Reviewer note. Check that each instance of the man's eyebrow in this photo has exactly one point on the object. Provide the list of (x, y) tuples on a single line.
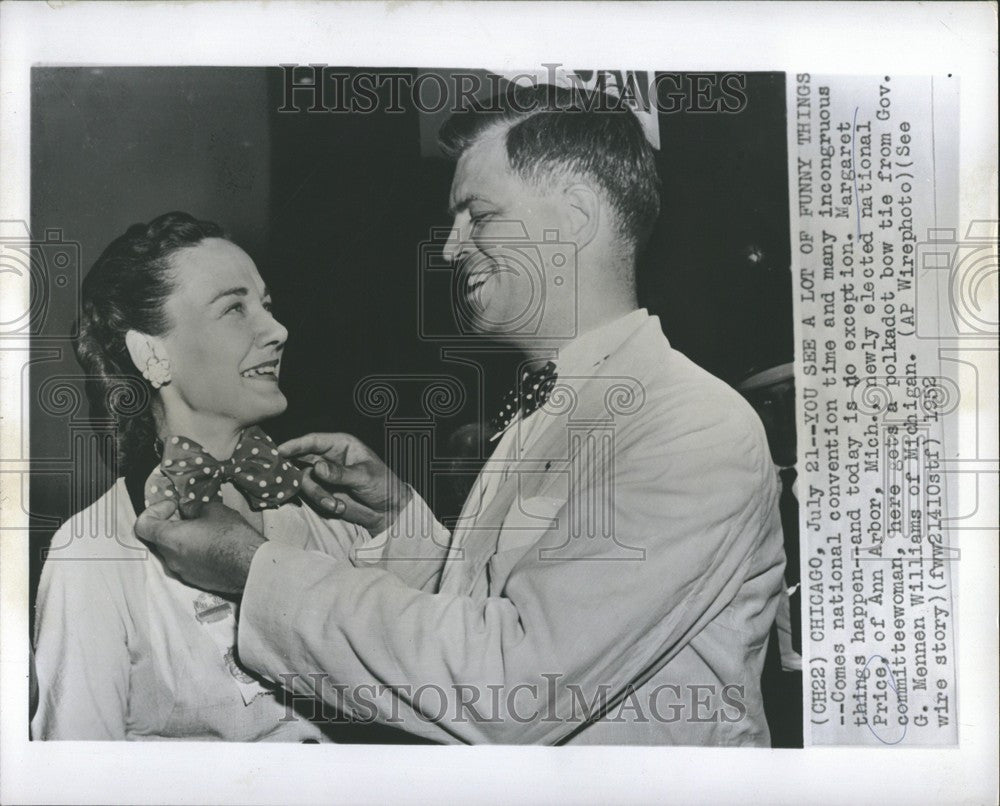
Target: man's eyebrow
[(459, 206)]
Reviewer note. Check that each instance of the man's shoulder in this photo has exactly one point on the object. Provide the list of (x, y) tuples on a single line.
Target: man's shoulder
[(672, 384), (688, 417), (701, 394)]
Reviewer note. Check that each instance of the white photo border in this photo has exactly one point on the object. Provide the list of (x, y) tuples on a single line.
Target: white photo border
[(821, 38)]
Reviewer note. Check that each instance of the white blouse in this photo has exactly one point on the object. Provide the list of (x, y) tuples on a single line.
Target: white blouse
[(125, 650)]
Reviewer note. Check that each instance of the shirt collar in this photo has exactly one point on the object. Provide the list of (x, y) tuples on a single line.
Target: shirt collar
[(589, 350), (584, 354)]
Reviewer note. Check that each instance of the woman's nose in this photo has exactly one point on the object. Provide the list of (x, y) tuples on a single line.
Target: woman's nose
[(273, 332)]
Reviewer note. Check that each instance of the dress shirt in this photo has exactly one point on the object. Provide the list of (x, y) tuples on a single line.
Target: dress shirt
[(122, 654)]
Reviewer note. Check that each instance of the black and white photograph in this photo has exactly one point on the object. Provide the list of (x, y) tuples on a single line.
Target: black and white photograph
[(604, 401), (480, 296)]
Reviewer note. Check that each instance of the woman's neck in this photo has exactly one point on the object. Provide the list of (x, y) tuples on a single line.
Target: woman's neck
[(218, 436)]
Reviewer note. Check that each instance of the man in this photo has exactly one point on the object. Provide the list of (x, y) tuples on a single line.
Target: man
[(615, 571)]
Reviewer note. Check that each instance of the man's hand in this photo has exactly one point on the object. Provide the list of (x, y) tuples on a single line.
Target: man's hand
[(212, 552), (348, 480)]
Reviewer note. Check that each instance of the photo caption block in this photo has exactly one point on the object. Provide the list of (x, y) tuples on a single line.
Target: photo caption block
[(873, 174)]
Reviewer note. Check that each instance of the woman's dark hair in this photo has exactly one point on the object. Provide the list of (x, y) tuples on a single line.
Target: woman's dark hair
[(125, 290)]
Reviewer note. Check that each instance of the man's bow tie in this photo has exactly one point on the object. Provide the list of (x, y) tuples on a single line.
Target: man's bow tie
[(531, 392), (191, 476)]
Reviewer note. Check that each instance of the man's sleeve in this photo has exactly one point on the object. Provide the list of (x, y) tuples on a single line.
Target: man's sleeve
[(456, 669), (413, 548)]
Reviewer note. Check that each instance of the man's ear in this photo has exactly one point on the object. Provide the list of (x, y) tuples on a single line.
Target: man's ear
[(584, 212), (140, 349)]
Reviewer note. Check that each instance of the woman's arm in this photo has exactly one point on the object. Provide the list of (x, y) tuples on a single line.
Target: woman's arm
[(81, 650)]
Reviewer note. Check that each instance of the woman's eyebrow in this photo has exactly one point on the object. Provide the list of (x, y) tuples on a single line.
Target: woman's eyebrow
[(238, 291)]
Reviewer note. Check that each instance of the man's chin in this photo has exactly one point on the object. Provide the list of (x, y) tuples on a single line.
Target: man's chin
[(481, 325), (497, 332)]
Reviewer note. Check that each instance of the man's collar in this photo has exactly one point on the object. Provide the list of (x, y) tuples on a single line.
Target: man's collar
[(589, 350)]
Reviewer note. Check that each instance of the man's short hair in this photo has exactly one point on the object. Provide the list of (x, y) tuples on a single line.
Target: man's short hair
[(558, 129)]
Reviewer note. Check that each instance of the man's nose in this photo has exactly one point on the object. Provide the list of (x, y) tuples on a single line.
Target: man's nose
[(455, 245)]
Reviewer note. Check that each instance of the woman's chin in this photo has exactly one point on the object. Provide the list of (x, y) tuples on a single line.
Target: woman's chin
[(280, 405), (274, 405)]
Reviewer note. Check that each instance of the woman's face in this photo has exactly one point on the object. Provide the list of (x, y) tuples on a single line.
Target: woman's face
[(224, 345)]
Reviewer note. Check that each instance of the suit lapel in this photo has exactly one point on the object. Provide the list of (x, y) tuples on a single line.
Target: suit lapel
[(541, 466)]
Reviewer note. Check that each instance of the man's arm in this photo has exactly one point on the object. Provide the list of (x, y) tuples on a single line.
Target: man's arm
[(345, 480), (583, 615), (212, 552), (348, 481), (413, 547)]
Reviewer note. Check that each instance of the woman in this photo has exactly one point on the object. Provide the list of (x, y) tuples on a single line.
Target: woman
[(124, 649)]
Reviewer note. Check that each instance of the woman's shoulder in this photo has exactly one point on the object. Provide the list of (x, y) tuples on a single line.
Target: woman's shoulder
[(102, 531)]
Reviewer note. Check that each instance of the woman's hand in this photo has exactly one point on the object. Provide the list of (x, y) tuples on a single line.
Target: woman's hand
[(348, 480)]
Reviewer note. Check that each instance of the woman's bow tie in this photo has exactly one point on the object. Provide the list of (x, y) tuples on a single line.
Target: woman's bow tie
[(191, 476)]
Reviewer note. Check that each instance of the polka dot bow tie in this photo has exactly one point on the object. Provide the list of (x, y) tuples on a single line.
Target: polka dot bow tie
[(530, 394), (192, 476)]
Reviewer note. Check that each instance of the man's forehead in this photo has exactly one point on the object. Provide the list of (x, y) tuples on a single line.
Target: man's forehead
[(481, 169)]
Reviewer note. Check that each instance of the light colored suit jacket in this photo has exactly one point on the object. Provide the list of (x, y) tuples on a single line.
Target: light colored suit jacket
[(618, 586)]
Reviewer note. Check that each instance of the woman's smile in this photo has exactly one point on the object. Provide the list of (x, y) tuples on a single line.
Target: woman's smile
[(225, 345), (265, 371)]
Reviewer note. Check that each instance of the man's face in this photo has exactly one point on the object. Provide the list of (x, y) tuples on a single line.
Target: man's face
[(504, 280)]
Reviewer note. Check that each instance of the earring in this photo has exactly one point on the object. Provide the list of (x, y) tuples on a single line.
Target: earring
[(157, 371)]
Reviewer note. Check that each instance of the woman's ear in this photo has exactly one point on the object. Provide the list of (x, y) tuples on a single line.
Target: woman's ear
[(584, 213), (149, 357), (139, 348)]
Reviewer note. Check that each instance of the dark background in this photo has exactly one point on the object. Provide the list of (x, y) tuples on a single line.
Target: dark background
[(337, 209)]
